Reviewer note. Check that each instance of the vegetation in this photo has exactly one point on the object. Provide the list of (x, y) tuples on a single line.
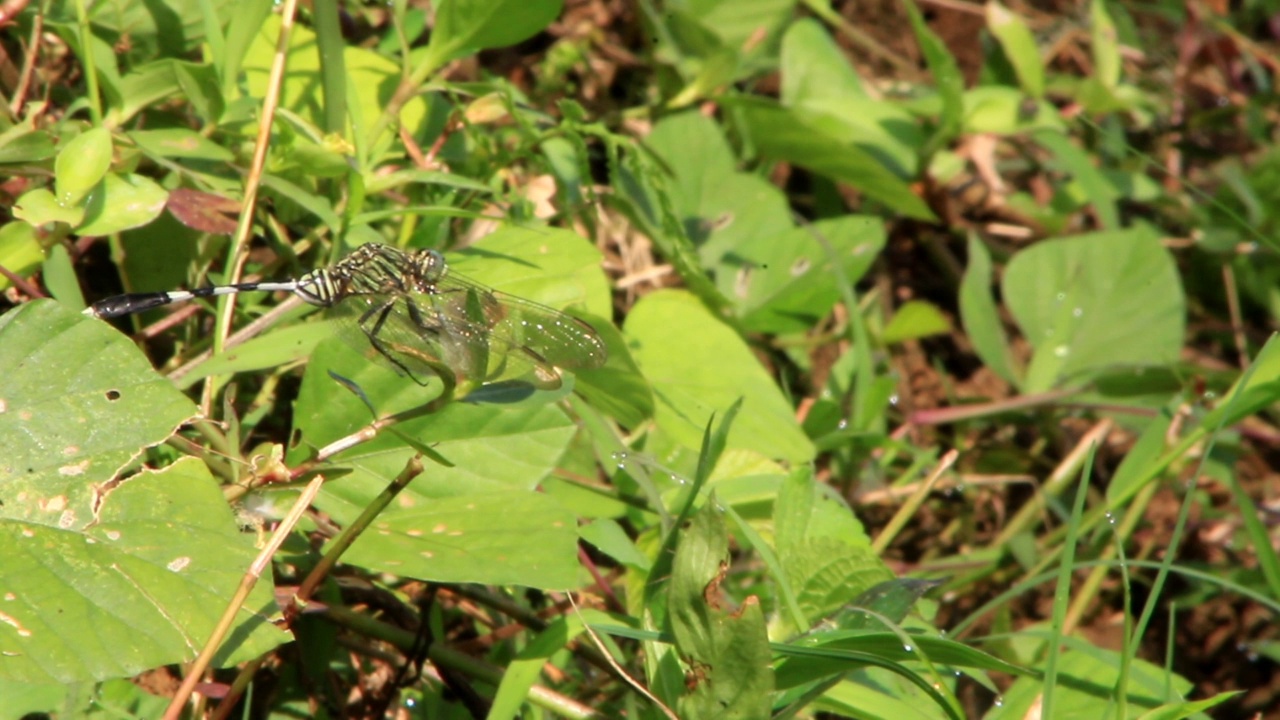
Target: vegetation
[(940, 381)]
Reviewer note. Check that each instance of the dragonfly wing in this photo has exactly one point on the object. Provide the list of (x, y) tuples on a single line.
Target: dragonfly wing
[(385, 326), (470, 317), (514, 323)]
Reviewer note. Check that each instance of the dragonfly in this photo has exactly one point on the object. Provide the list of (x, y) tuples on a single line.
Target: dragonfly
[(421, 318)]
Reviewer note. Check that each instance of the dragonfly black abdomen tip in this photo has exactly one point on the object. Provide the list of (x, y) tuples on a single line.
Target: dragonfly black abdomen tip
[(120, 305)]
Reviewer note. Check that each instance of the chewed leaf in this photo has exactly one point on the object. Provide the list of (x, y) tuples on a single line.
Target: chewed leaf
[(77, 401)]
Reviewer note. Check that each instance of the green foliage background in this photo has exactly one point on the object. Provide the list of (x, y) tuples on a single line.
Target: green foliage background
[(763, 215)]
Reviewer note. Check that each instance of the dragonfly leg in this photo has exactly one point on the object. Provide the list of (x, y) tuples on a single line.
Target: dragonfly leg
[(378, 314)]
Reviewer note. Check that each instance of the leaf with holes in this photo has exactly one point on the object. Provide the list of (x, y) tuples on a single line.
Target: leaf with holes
[(130, 578), (78, 401)]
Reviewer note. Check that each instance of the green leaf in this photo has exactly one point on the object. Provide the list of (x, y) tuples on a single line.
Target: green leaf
[(789, 283), (830, 653), (60, 277), (131, 577), (513, 537), (81, 164), (120, 203), (1095, 301), (1019, 46), (1140, 463), (781, 134), (22, 145), (20, 250), (198, 83), (82, 398), (946, 74), (824, 550), (39, 208), (1105, 46), (279, 347), (617, 389), (914, 320), (1256, 389), (180, 143), (144, 87), (552, 266), (1003, 110), (698, 366), (727, 651), (525, 670), (464, 27), (307, 200), (609, 538), (980, 316), (1180, 710), (820, 86), (1087, 677), (371, 78), (1080, 164), (739, 23)]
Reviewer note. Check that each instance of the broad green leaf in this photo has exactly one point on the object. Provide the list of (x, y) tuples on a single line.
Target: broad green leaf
[(1003, 110), (60, 277), (17, 698), (608, 537), (1093, 302), (20, 251), (242, 27), (1019, 46), (464, 27), (720, 207), (819, 85), (739, 24), (371, 78), (120, 203), (20, 144), (180, 143), (789, 283), (125, 578), (39, 207), (198, 83), (980, 316), (77, 402), (81, 164), (492, 446), (512, 537), (779, 278), (825, 551), (273, 349), (727, 650), (551, 266), (699, 367), (144, 87), (313, 203), (617, 389), (914, 320), (781, 134), (891, 600), (525, 670)]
